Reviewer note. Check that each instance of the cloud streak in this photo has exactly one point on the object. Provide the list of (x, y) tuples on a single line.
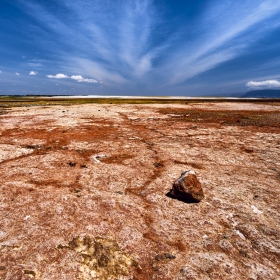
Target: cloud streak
[(231, 33), (133, 43), (115, 42), (264, 84)]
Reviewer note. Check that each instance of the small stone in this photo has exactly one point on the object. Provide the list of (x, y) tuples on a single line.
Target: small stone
[(29, 272), (159, 257), (248, 150), (31, 147), (187, 188), (169, 256), (244, 254), (164, 256), (71, 164), (193, 127)]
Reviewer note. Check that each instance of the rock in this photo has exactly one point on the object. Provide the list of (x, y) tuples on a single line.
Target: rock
[(162, 257), (169, 256), (31, 273), (159, 257), (187, 188), (158, 164)]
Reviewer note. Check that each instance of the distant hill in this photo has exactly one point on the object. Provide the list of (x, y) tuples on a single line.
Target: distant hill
[(263, 93)]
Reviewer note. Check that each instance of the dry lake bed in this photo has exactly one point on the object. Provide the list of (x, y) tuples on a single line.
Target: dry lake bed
[(83, 191)]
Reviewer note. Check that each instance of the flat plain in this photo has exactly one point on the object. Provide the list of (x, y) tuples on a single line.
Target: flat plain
[(84, 186)]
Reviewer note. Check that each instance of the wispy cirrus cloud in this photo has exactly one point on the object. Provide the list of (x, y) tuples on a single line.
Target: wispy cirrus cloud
[(34, 62), (132, 42), (17, 74), (115, 41), (264, 84), (227, 29)]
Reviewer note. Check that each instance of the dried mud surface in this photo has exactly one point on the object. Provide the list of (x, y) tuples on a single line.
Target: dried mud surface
[(83, 192)]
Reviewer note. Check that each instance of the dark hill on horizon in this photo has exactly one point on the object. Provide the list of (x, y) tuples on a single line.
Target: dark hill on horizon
[(263, 93)]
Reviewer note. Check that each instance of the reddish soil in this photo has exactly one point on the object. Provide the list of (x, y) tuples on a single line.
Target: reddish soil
[(83, 192)]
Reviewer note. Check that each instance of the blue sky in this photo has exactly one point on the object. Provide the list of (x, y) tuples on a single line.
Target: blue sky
[(139, 47)]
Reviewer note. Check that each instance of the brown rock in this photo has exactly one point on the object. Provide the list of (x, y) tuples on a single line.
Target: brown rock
[(187, 188)]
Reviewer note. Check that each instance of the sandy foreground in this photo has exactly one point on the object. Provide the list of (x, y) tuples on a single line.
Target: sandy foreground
[(83, 192)]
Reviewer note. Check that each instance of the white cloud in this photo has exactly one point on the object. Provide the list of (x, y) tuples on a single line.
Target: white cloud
[(88, 81), (33, 73), (118, 45), (123, 39), (17, 73), (264, 84), (80, 79), (77, 77), (58, 76)]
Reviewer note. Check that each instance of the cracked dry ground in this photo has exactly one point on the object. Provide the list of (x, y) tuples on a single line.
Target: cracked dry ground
[(83, 192)]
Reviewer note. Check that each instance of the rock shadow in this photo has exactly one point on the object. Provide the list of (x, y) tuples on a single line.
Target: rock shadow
[(186, 199)]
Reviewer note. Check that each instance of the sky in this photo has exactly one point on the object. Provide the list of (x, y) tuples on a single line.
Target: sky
[(139, 47)]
